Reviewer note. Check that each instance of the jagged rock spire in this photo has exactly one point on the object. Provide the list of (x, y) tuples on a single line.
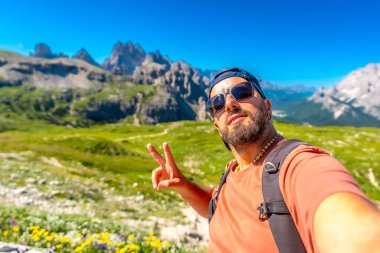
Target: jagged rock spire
[(82, 54)]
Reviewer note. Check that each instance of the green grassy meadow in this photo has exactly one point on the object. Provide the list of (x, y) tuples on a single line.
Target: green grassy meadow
[(104, 170)]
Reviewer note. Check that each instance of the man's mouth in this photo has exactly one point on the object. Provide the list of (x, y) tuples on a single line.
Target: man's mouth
[(235, 119)]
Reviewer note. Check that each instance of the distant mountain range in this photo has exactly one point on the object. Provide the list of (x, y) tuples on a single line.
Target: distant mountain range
[(354, 101), (138, 87), (76, 91)]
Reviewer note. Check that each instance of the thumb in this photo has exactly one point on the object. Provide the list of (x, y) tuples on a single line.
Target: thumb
[(167, 183)]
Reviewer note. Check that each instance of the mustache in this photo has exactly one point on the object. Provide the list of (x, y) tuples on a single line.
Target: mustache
[(237, 111)]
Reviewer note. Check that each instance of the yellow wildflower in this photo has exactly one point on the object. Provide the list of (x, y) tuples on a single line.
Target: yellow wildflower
[(16, 229), (49, 238), (34, 227), (79, 249), (78, 235), (156, 244), (165, 244), (133, 247), (117, 244), (41, 232), (65, 239), (6, 232), (35, 238), (88, 241), (131, 237), (58, 246), (106, 235)]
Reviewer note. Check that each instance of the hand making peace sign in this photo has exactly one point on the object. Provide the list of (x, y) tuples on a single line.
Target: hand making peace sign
[(167, 175)]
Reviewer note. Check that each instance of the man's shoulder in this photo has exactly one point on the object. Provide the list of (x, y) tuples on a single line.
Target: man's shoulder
[(306, 150), (290, 150), (311, 158)]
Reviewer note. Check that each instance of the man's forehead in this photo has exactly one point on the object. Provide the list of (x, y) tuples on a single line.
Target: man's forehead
[(226, 84)]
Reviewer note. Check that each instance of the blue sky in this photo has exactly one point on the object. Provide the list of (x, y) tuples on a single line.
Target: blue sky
[(286, 42)]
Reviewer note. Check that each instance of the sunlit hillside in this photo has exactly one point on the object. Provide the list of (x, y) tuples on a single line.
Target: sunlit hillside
[(90, 180)]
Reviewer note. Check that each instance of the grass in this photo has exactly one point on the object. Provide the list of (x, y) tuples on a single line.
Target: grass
[(119, 149), (105, 169), (77, 107), (6, 52)]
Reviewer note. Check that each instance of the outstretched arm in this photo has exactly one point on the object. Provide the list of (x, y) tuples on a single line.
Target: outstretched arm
[(345, 222), (167, 175)]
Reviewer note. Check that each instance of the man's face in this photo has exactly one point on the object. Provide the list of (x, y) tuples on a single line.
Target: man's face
[(240, 122)]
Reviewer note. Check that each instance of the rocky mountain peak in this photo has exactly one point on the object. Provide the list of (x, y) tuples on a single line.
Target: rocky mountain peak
[(82, 54), (181, 66), (42, 50), (131, 47), (58, 73), (359, 89), (179, 77), (156, 57), (124, 58)]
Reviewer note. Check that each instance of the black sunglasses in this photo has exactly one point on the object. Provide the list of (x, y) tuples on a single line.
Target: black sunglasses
[(239, 92)]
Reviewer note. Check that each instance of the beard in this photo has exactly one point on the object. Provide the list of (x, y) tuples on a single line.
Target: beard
[(246, 133)]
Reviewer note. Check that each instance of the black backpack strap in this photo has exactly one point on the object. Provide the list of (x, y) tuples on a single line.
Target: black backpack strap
[(274, 208), (212, 204)]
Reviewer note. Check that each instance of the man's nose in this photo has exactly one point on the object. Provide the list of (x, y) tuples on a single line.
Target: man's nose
[(231, 103)]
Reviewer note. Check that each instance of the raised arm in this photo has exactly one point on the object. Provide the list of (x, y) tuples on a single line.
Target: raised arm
[(345, 222), (167, 175)]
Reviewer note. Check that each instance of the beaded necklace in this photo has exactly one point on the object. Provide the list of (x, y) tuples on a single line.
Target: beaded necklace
[(258, 157)]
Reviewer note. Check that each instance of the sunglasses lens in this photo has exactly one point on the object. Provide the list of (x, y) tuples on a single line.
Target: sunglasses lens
[(215, 104), (242, 91), (239, 92)]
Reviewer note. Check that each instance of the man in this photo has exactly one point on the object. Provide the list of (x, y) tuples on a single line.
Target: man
[(330, 212)]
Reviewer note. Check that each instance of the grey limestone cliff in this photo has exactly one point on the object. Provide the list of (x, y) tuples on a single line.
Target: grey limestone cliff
[(83, 55), (124, 58)]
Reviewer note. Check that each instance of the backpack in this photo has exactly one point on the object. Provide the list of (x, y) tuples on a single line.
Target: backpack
[(274, 207)]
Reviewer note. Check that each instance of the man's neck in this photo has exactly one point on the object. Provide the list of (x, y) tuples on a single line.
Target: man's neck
[(246, 153)]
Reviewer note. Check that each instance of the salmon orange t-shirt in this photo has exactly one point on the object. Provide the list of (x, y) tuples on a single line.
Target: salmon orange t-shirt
[(307, 177)]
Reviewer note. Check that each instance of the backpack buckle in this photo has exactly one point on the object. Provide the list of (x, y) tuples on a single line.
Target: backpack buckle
[(270, 167), (264, 210)]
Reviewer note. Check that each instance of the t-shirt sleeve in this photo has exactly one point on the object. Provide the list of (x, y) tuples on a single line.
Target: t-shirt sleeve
[(308, 176)]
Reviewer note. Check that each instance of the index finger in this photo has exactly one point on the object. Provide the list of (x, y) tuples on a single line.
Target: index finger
[(159, 159)]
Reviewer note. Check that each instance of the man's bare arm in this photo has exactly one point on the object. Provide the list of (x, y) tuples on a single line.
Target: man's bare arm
[(167, 175), (345, 222), (197, 197)]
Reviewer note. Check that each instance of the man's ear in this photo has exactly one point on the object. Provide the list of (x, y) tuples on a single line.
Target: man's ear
[(268, 104), (216, 126), (268, 107)]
